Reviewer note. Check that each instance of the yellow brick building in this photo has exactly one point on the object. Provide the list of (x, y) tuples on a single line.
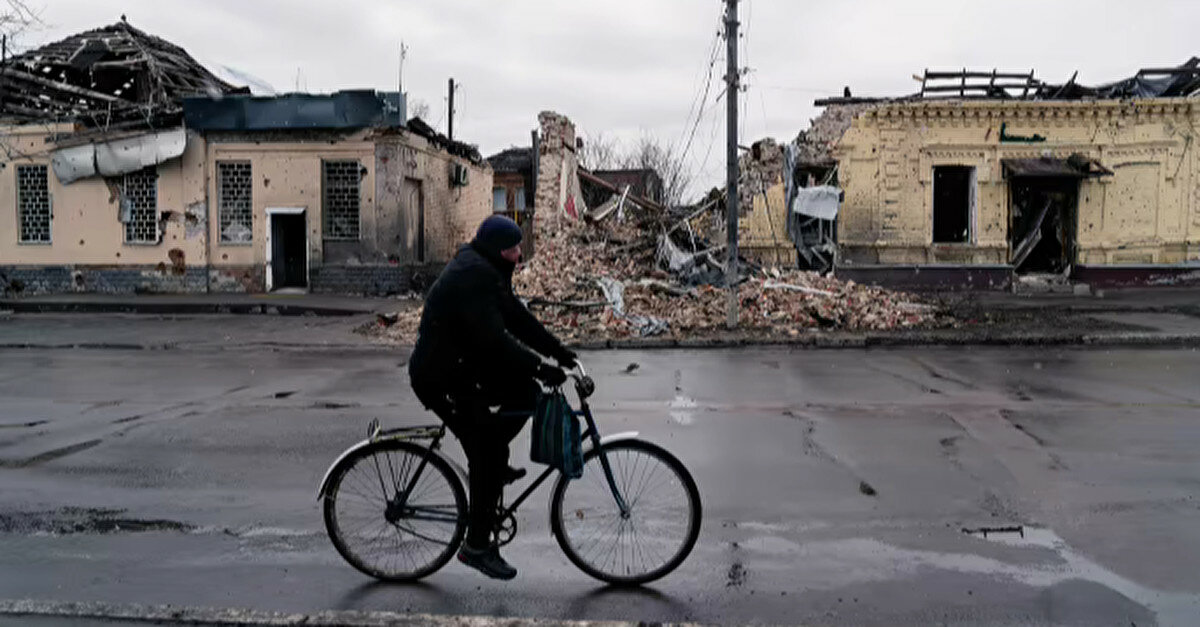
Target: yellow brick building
[(1111, 187)]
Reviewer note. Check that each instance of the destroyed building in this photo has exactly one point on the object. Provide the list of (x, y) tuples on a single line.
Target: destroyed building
[(513, 189), (788, 197), (134, 169), (643, 182), (629, 267), (986, 180)]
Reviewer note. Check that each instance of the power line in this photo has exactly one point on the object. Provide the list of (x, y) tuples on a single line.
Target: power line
[(698, 100), (701, 104)]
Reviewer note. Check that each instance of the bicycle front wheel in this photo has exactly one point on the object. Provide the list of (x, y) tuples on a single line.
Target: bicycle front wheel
[(657, 535), (396, 511)]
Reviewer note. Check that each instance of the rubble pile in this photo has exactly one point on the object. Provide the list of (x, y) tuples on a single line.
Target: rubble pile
[(605, 281)]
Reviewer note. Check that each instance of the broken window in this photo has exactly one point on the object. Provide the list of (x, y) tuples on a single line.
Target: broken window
[(499, 199), (340, 199), (235, 210), (139, 206), (953, 195), (33, 204)]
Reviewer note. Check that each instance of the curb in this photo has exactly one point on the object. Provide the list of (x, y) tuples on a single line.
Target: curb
[(886, 341), (167, 346), (182, 615), (812, 343), (273, 309)]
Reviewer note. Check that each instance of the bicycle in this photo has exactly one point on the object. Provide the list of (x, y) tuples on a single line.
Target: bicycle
[(397, 510)]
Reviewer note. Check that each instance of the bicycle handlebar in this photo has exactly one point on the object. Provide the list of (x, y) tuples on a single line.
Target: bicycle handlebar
[(584, 384)]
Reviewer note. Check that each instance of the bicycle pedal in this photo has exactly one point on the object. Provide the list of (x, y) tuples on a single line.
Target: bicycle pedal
[(512, 475)]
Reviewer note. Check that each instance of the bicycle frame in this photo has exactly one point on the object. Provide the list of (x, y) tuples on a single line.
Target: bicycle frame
[(583, 386), (592, 433)]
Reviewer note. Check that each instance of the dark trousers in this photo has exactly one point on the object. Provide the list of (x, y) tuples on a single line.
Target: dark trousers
[(465, 408)]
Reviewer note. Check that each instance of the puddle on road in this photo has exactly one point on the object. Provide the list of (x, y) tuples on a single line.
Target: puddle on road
[(868, 558), (1172, 608)]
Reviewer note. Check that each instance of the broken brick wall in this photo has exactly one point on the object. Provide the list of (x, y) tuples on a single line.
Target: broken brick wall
[(558, 192), (815, 145), (759, 169)]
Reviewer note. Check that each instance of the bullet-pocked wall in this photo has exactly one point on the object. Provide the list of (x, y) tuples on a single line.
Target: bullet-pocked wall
[(1146, 212), (75, 237), (356, 205), (286, 173), (430, 202)]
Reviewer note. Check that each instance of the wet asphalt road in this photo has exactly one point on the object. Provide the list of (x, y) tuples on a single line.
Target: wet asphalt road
[(836, 484)]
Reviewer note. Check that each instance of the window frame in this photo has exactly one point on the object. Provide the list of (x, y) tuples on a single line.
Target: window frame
[(221, 202), (326, 215), (126, 226), (21, 240)]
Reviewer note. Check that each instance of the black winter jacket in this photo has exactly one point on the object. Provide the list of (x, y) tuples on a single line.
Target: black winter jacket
[(473, 325)]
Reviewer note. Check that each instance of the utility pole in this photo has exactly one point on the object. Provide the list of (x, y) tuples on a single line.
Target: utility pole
[(450, 112), (400, 77), (731, 156)]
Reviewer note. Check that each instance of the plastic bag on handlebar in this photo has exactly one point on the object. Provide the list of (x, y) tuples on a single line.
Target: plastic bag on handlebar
[(556, 437)]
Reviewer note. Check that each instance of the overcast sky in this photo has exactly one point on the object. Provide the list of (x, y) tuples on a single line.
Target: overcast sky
[(628, 67)]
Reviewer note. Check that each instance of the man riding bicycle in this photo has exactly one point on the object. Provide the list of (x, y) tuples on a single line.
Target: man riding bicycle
[(473, 353)]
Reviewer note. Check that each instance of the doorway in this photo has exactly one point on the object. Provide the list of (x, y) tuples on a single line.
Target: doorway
[(414, 195), (287, 249), (1043, 216)]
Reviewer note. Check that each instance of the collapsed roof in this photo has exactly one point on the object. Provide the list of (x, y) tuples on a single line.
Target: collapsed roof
[(470, 152), (107, 77), (515, 159), (1177, 82)]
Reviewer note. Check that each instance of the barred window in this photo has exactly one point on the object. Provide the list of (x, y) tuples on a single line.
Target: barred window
[(33, 204), (234, 206), (139, 206), (340, 199)]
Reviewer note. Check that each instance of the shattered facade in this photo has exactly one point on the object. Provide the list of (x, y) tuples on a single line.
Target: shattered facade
[(900, 161), (983, 187), (335, 193), (558, 188)]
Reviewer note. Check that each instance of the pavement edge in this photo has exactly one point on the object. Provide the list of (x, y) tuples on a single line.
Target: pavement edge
[(184, 615)]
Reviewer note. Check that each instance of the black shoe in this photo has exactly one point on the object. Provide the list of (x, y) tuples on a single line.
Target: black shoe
[(513, 474), (487, 561)]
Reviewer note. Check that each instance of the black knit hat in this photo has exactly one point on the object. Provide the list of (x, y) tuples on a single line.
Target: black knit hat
[(497, 233)]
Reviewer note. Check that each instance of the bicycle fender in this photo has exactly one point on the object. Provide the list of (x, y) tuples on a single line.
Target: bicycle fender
[(587, 447), (624, 435), (462, 474)]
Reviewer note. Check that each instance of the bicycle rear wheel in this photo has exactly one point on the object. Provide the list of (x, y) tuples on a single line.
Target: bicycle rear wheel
[(663, 522), (396, 511)]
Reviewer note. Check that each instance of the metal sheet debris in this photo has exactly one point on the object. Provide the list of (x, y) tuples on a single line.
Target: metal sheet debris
[(119, 156), (819, 202)]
